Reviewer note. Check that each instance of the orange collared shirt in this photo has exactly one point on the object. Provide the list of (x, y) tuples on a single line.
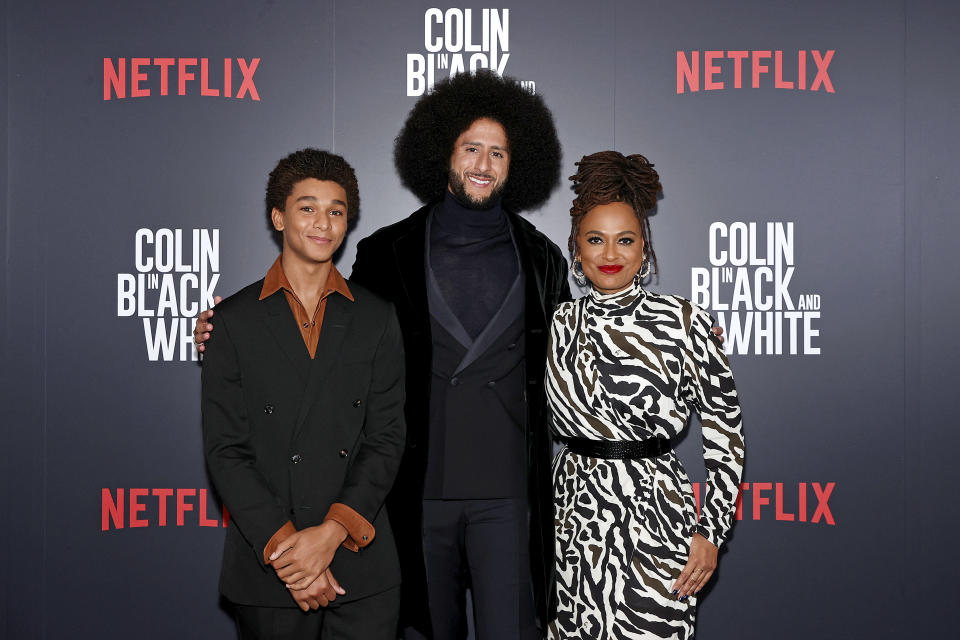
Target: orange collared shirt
[(309, 325)]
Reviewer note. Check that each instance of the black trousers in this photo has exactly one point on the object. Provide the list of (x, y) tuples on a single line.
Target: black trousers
[(372, 618), (483, 545)]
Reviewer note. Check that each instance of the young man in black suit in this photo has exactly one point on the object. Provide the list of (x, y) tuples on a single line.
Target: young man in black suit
[(303, 425)]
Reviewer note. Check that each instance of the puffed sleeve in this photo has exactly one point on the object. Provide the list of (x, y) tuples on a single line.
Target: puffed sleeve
[(710, 389)]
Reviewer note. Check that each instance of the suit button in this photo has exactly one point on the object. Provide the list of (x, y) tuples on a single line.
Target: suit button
[(491, 384), (454, 381), (343, 453), (268, 409), (296, 458), (412, 445), (356, 402), (512, 346)]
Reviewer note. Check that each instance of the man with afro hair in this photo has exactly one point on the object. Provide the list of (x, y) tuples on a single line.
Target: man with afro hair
[(475, 286)]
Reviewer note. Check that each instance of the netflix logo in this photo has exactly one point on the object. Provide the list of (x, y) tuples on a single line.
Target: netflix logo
[(137, 508), (802, 502), (145, 77), (715, 70)]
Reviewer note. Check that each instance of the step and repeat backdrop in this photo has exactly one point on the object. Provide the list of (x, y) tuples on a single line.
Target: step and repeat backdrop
[(808, 153)]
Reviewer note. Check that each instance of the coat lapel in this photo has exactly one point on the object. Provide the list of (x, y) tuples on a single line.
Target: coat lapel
[(533, 261), (279, 321), (497, 325), (437, 304), (336, 321), (410, 250)]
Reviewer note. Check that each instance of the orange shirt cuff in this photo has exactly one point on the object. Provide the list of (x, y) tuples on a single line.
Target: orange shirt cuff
[(360, 532), (282, 534)]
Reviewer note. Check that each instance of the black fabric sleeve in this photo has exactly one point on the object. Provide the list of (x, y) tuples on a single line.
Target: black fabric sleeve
[(248, 497)]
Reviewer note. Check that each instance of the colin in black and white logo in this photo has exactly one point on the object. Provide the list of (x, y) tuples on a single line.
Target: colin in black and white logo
[(177, 271), (747, 287), (458, 40)]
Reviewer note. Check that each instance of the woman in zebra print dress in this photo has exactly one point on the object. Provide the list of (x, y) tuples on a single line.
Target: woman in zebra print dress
[(628, 366)]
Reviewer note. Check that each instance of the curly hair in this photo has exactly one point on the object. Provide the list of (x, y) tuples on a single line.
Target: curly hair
[(423, 147), (609, 176), (311, 163)]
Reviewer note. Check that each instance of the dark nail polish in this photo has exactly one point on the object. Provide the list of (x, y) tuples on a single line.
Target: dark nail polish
[(675, 592), (684, 598)]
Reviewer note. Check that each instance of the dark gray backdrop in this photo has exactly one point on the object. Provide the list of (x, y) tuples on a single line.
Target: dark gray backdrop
[(867, 175)]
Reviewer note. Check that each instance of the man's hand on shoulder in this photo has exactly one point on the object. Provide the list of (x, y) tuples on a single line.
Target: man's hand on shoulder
[(203, 326)]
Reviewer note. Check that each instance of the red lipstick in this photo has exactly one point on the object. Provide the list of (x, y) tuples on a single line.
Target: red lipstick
[(610, 268)]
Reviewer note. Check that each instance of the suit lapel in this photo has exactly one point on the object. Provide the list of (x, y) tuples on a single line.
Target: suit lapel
[(533, 261), (437, 304), (410, 250), (280, 322), (336, 320), (497, 325)]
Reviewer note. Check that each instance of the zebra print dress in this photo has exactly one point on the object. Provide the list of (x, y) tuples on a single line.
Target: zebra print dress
[(629, 366)]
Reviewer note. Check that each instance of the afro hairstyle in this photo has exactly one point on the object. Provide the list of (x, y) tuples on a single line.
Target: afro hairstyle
[(423, 148), (311, 163)]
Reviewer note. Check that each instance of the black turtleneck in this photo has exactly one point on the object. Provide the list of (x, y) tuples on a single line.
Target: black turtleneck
[(473, 260)]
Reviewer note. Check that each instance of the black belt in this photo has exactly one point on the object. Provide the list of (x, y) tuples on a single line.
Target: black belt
[(618, 449)]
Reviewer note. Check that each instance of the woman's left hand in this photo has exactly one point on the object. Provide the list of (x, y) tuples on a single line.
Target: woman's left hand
[(700, 566)]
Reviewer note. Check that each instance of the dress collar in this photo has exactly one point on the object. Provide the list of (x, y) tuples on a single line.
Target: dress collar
[(617, 299)]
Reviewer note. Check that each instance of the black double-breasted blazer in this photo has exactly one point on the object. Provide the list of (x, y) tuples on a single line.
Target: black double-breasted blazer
[(392, 262), (286, 436)]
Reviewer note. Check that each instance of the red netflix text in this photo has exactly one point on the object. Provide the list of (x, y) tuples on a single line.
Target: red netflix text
[(803, 502), (726, 69), (143, 77), (134, 508)]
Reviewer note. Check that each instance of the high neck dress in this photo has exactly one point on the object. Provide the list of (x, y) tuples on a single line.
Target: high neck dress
[(630, 366)]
